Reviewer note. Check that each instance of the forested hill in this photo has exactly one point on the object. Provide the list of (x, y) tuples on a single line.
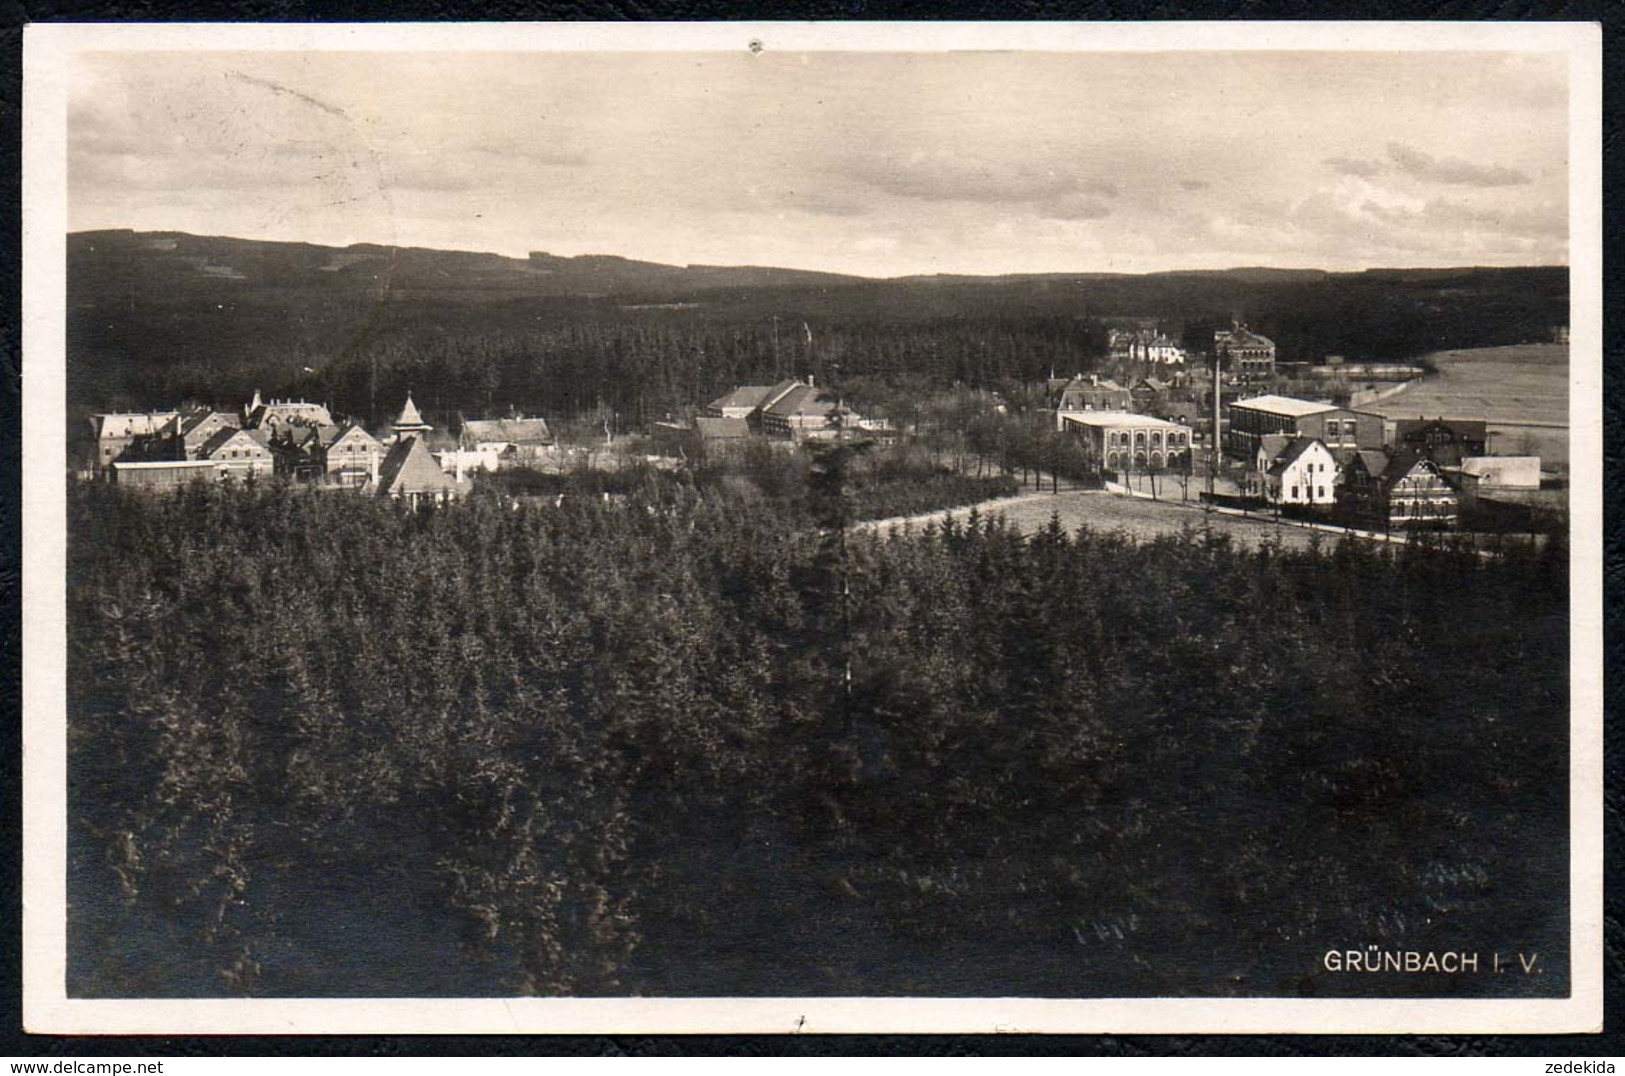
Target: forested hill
[(165, 317)]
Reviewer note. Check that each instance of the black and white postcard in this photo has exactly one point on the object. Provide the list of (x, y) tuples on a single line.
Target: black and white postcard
[(813, 527)]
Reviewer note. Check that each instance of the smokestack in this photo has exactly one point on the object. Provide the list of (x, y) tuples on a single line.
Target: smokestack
[(372, 468), (459, 453)]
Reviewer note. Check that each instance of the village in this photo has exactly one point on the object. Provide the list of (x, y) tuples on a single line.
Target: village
[(1330, 452)]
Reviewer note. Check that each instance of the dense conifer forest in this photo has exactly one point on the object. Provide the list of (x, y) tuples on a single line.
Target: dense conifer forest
[(156, 320), (686, 742)]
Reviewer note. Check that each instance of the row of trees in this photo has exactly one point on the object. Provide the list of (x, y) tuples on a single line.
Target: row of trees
[(655, 744)]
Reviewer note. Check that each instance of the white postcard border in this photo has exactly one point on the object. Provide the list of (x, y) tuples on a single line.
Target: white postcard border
[(47, 51)]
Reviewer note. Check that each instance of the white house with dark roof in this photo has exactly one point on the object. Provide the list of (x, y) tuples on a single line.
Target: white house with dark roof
[(1297, 470)]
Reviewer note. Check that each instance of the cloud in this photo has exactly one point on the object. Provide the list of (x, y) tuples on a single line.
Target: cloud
[(1074, 206), (943, 177), (824, 203), (1354, 166), (1452, 170)]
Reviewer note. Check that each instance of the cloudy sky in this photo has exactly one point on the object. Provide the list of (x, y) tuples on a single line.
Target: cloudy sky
[(877, 163)]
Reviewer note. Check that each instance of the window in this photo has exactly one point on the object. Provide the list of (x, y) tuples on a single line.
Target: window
[(1294, 492), (1320, 491)]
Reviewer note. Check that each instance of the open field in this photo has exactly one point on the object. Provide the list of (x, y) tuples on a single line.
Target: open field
[(1111, 512), (1522, 391)]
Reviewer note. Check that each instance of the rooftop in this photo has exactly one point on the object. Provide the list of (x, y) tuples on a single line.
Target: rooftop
[(1118, 419), (1284, 405)]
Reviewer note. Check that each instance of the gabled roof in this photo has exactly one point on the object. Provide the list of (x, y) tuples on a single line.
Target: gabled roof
[(224, 437), (1284, 405), (1404, 462), (1294, 451), (1374, 461), (1272, 445), (410, 468), (198, 418), (802, 400), (518, 431), (1118, 419), (743, 396), (332, 435)]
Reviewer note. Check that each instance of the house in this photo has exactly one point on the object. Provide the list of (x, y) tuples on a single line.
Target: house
[(409, 423), (1121, 440), (1297, 471), (240, 453), (1163, 351), (349, 455), (1091, 393), (1247, 355), (115, 433), (411, 474), (1341, 429), (1446, 443), (197, 428), (1145, 345), (805, 413), (513, 441), (1409, 492)]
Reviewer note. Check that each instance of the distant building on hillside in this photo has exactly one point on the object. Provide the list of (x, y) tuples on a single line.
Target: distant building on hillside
[(1444, 441), (1247, 355), (1122, 441), (1143, 345), (750, 403), (806, 413), (513, 441)]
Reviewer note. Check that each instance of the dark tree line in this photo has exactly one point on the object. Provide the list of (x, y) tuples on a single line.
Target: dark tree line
[(685, 743), (146, 335)]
